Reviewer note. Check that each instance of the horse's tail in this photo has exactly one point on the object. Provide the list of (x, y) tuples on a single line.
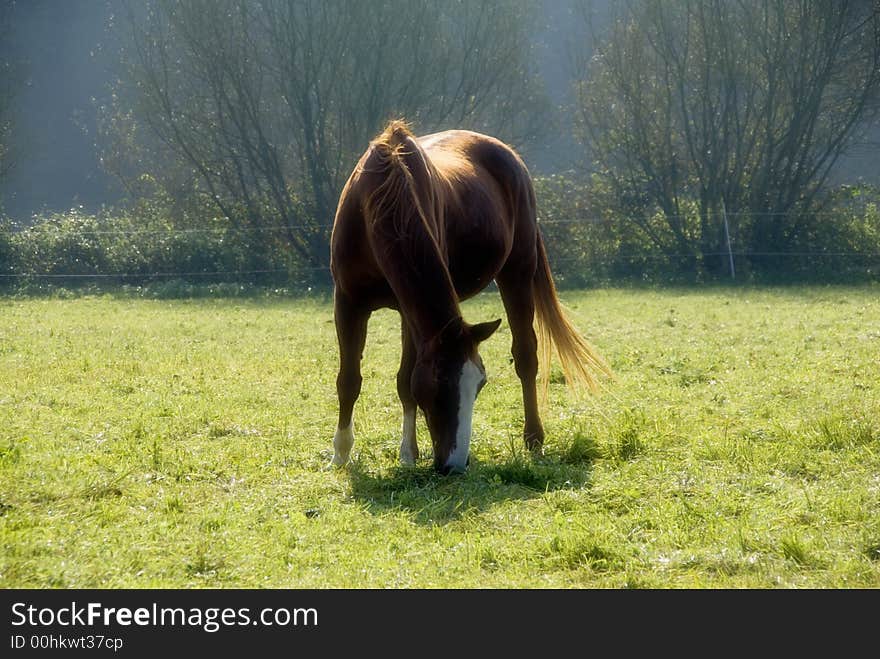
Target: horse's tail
[(403, 196), (580, 361)]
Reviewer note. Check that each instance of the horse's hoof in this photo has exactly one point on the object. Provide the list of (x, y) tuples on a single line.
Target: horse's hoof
[(336, 463), (535, 444), (407, 459)]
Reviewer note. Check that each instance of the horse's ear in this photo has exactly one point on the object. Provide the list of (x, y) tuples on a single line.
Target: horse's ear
[(483, 331)]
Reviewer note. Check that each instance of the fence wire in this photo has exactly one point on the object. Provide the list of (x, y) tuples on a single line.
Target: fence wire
[(585, 257), (326, 227)]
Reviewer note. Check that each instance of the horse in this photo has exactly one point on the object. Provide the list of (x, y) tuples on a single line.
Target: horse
[(421, 224)]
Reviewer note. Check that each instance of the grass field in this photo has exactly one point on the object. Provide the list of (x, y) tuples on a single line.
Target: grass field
[(149, 443)]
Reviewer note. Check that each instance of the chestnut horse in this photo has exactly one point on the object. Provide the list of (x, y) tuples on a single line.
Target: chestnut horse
[(421, 224)]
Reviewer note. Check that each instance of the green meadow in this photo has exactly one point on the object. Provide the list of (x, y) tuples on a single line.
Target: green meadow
[(183, 444)]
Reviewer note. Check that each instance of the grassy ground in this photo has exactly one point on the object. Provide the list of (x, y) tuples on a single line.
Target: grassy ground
[(182, 444)]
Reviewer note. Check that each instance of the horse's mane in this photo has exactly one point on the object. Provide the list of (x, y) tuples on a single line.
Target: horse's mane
[(407, 193)]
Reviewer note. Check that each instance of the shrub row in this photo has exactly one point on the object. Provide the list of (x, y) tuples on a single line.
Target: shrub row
[(589, 243), (142, 246)]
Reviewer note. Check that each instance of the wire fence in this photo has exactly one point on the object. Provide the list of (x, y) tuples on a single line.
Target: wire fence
[(563, 255), (147, 275), (287, 228)]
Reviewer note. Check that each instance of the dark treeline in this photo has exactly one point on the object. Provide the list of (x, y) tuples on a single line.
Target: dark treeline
[(705, 134)]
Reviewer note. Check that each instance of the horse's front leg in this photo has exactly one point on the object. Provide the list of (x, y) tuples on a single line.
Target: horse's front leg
[(409, 448), (519, 303), (351, 333)]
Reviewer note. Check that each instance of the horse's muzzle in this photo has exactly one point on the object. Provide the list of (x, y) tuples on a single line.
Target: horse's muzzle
[(452, 468)]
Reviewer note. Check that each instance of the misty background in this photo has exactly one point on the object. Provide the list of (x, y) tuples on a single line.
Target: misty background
[(65, 66), (64, 62), (67, 54)]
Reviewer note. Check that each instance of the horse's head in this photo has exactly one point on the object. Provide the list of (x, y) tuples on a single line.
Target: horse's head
[(446, 379)]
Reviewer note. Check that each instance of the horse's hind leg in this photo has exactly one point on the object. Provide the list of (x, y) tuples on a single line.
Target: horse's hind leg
[(351, 333), (516, 293), (409, 448)]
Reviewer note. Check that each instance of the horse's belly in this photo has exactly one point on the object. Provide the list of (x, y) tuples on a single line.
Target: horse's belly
[(474, 264)]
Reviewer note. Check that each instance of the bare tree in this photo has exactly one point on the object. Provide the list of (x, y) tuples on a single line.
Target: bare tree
[(693, 106), (267, 104)]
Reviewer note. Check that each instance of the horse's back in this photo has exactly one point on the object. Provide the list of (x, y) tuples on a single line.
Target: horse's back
[(488, 205), (461, 153), (490, 210)]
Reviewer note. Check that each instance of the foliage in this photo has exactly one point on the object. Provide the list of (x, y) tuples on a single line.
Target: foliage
[(844, 238), (182, 444), (586, 241), (144, 244), (263, 108), (594, 238), (694, 110), (8, 252), (173, 249)]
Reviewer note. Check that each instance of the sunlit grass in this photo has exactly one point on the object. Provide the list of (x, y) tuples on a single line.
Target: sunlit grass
[(183, 444)]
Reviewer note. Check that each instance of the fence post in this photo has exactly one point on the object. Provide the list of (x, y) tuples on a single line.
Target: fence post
[(727, 238)]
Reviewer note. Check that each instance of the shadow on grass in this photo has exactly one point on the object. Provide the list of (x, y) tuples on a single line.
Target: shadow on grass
[(432, 499)]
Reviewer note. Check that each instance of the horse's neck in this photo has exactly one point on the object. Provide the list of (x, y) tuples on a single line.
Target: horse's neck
[(428, 313), (408, 237), (418, 275)]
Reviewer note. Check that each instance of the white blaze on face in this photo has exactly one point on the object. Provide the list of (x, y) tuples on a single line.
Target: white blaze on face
[(468, 385)]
